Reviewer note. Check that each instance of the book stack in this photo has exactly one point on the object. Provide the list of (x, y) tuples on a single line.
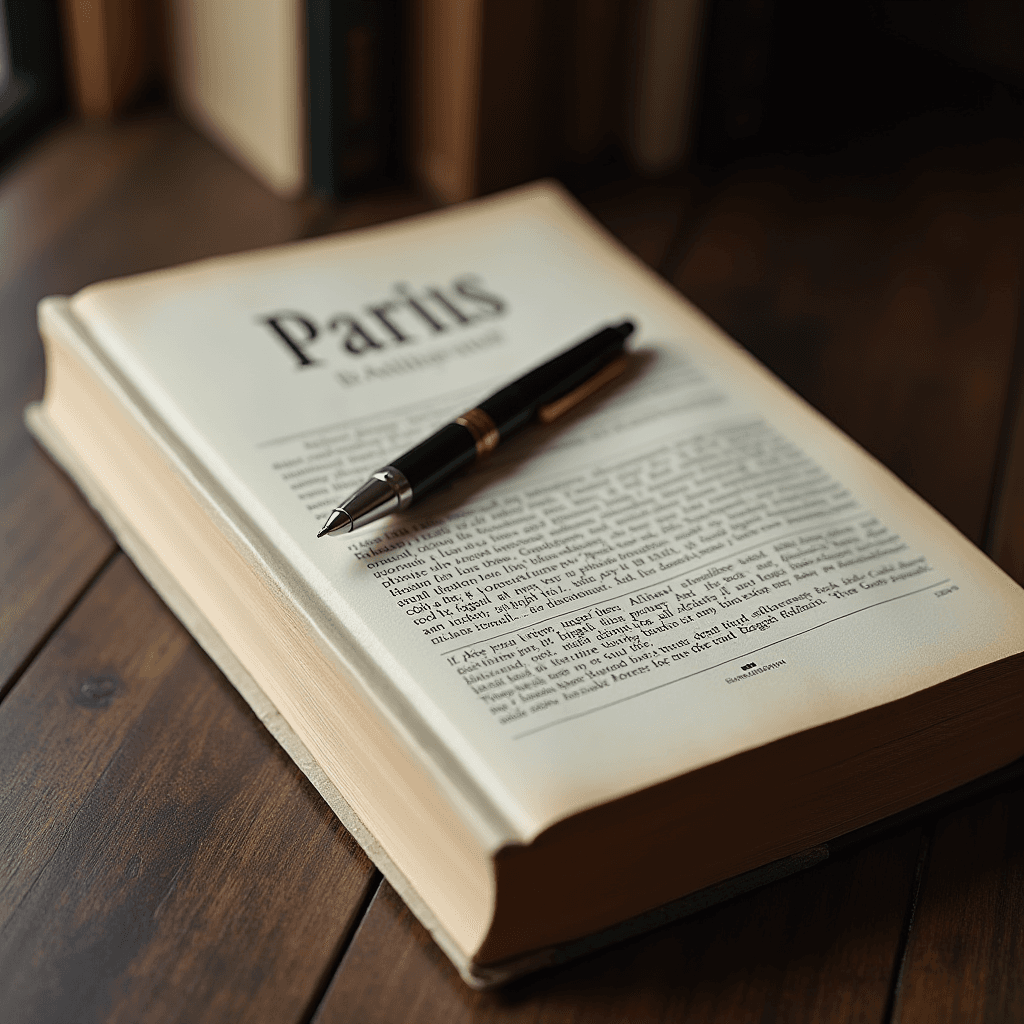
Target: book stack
[(324, 97)]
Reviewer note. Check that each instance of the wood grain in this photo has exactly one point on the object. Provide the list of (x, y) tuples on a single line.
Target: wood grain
[(965, 949), (111, 200), (811, 948), (53, 547), (1007, 528), (644, 215), (887, 299), (61, 176), (965, 956), (160, 856), (48, 190)]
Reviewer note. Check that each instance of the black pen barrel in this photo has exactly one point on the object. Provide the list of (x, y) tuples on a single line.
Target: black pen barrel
[(457, 445), (434, 460), (515, 405)]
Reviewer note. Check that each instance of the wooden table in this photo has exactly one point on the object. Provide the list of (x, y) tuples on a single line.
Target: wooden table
[(160, 857)]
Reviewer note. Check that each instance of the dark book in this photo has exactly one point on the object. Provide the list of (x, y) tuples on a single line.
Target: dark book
[(31, 77), (353, 61)]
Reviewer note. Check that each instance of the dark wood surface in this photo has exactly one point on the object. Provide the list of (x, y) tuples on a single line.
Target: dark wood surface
[(160, 857)]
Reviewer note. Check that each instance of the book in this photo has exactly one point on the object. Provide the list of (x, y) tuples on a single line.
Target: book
[(352, 71), (110, 51), (32, 86), (595, 60), (740, 44), (485, 90), (238, 71), (301, 94), (647, 657), (666, 58)]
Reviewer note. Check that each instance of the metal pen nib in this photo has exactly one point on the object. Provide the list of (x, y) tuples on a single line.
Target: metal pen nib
[(337, 520), (385, 492)]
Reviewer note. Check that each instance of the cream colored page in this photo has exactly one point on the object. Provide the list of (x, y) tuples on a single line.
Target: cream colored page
[(692, 565)]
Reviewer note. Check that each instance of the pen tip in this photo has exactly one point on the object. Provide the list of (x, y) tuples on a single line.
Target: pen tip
[(626, 328), (337, 520)]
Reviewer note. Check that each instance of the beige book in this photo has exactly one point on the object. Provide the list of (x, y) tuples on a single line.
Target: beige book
[(648, 656), (237, 68)]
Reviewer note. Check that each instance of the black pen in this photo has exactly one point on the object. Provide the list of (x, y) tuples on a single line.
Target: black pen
[(544, 393)]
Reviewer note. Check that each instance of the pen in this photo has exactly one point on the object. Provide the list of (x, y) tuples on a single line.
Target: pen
[(545, 393)]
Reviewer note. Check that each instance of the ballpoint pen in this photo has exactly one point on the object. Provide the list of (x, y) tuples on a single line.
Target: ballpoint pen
[(544, 394)]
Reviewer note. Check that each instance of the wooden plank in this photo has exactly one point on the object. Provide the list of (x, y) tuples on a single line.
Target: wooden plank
[(645, 216), (112, 200), (965, 949), (965, 955), (59, 177), (48, 189), (53, 546), (889, 301), (896, 316), (1007, 539), (819, 946), (160, 856)]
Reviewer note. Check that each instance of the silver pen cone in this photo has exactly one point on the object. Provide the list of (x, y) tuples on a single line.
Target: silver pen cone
[(385, 492), (338, 520)]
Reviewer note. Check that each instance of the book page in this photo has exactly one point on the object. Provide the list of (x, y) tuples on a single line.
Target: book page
[(692, 564)]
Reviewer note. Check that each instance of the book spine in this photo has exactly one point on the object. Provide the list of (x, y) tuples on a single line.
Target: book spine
[(446, 38), (660, 124), (352, 65), (109, 52), (735, 88), (594, 77)]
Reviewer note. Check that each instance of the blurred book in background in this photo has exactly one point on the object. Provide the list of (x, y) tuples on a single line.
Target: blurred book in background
[(237, 70), (506, 91), (666, 54), (354, 67), (300, 93), (595, 73), (469, 96), (111, 52), (484, 93), (31, 76), (329, 96)]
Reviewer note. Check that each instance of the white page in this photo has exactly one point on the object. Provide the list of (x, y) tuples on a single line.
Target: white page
[(692, 565)]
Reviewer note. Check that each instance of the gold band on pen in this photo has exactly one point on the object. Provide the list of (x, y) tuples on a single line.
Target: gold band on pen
[(484, 431)]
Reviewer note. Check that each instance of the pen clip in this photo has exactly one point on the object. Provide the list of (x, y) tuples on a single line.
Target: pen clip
[(560, 406)]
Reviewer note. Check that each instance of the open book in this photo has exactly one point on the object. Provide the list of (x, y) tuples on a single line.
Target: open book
[(688, 631)]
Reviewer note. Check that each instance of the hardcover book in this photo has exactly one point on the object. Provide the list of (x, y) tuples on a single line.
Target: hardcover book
[(653, 654), (302, 94)]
